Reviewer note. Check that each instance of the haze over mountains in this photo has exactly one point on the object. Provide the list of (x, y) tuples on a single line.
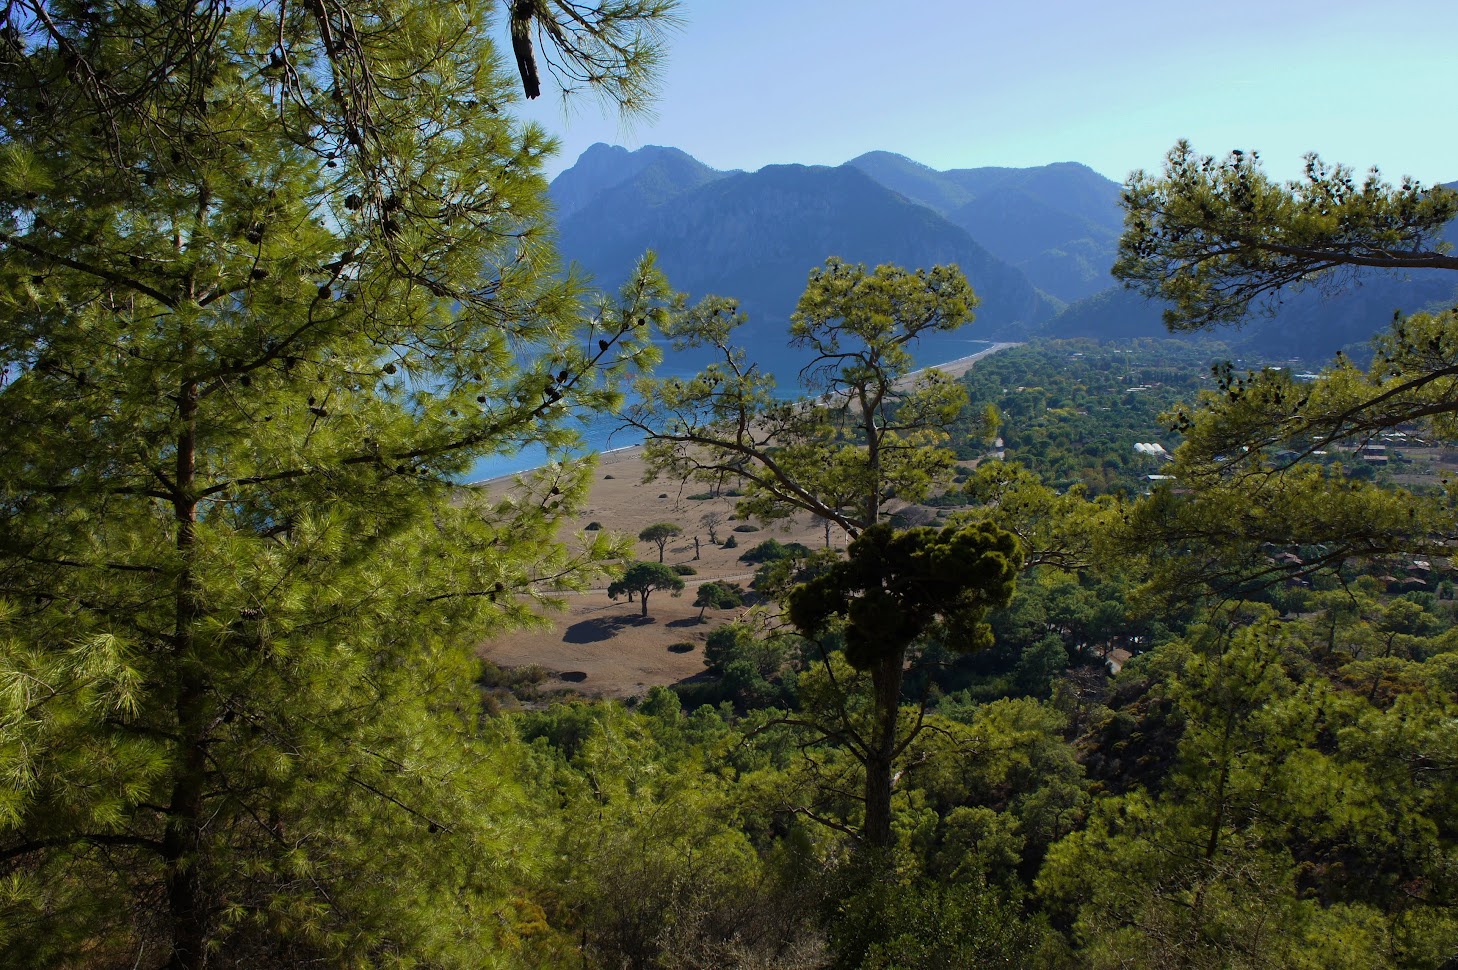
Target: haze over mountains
[(1036, 243)]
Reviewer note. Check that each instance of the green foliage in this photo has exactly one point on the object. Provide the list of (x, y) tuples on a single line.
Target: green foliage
[(719, 596), (612, 50), (259, 314), (730, 543), (660, 702), (739, 642), (684, 569), (1072, 411), (1275, 837), (746, 528), (642, 578), (1256, 457), (254, 329), (659, 534), (926, 925), (1212, 238), (772, 550), (890, 590), (893, 586), (654, 864), (777, 576), (1066, 530), (866, 435)]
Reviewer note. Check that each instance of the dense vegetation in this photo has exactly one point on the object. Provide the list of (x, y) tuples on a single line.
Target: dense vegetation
[(1266, 781), (1073, 410)]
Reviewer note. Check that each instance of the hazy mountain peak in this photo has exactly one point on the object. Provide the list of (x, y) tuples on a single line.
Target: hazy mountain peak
[(880, 157), (603, 167), (920, 183)]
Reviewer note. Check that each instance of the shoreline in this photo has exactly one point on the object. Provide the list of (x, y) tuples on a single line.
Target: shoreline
[(612, 456)]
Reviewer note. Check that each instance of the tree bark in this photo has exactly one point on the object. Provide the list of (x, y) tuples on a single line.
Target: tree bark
[(886, 678), (182, 840)]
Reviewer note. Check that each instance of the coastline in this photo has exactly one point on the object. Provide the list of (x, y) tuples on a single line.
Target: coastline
[(631, 453)]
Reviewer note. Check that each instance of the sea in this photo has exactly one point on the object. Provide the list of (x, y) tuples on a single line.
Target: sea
[(603, 433)]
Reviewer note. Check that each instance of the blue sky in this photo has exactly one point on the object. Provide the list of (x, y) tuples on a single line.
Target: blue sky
[(1112, 84)]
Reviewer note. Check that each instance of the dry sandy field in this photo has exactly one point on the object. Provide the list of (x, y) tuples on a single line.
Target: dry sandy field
[(602, 648)]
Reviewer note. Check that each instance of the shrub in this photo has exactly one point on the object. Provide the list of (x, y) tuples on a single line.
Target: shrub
[(746, 528), (719, 596), (684, 569), (683, 646), (772, 550), (592, 527), (731, 543), (502, 687), (661, 702)]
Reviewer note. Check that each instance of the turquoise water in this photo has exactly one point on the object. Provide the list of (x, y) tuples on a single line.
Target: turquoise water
[(605, 433)]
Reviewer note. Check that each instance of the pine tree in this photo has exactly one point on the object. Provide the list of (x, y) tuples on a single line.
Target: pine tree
[(871, 432), (891, 589), (273, 279)]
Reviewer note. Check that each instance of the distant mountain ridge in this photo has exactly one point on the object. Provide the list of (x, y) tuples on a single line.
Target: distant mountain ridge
[(1037, 244), (1059, 224), (755, 236)]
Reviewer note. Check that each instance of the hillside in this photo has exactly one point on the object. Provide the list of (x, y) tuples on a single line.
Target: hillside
[(1037, 244), (755, 236)]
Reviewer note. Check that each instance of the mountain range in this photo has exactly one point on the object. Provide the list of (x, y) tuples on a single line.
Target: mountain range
[(1036, 243)]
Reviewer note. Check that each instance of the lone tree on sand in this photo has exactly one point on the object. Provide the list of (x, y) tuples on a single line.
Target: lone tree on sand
[(659, 533), (643, 578)]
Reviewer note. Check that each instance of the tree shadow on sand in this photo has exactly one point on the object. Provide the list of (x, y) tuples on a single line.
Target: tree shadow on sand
[(603, 628)]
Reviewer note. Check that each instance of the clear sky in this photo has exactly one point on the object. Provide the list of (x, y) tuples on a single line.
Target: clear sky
[(1112, 84)]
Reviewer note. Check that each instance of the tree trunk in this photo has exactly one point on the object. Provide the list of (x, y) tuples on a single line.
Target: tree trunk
[(886, 686), (645, 602), (873, 462), (182, 841)]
